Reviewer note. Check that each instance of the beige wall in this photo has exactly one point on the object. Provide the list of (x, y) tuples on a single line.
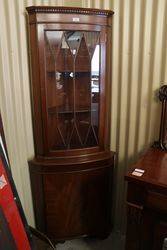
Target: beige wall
[(139, 67)]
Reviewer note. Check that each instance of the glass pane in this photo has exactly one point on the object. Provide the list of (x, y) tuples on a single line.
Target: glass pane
[(95, 87), (72, 82)]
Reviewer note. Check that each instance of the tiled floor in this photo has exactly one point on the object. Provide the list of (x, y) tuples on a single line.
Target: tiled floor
[(111, 243)]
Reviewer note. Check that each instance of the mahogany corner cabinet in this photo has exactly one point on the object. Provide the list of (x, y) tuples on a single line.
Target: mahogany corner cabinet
[(72, 171)]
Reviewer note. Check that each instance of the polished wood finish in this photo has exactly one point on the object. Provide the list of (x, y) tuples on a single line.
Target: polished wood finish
[(72, 171), (64, 9), (147, 202), (42, 133), (72, 199)]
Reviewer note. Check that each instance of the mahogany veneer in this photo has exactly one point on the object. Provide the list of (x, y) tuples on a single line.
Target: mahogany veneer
[(147, 202), (72, 171)]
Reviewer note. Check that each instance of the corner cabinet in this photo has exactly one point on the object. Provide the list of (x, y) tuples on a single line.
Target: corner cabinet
[(71, 173)]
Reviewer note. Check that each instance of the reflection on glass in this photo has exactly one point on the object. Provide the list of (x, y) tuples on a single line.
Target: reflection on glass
[(95, 86), (72, 81)]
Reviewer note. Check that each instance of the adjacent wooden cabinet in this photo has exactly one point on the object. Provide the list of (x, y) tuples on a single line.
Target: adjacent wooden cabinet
[(147, 203), (147, 194), (71, 173)]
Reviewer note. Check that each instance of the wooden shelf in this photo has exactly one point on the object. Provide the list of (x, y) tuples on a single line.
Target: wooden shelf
[(67, 72), (53, 110)]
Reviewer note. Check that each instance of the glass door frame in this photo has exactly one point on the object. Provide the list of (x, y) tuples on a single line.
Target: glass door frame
[(41, 28)]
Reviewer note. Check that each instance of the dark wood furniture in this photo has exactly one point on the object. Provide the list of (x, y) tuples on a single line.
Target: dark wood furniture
[(71, 173), (147, 195), (147, 203)]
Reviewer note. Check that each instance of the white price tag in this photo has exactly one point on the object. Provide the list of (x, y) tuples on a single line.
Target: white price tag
[(75, 19), (138, 172)]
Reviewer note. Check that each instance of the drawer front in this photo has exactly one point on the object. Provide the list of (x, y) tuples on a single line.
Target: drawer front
[(140, 196), (146, 218), (156, 201), (136, 194)]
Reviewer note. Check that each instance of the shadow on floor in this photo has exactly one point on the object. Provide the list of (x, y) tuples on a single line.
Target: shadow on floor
[(113, 242)]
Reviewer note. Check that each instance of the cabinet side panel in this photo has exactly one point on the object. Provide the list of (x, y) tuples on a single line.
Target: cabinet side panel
[(35, 91), (38, 199)]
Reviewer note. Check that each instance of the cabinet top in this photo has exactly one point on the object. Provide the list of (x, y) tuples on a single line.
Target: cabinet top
[(69, 10), (154, 163)]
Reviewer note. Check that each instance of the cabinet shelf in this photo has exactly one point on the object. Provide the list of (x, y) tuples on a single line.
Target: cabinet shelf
[(53, 110), (67, 72)]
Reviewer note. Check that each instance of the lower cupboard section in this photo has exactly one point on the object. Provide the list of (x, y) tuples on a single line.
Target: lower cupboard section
[(68, 204)]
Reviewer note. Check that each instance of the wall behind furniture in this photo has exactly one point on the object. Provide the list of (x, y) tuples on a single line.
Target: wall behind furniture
[(139, 67)]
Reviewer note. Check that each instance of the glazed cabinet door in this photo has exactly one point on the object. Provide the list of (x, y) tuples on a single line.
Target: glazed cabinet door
[(72, 82)]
